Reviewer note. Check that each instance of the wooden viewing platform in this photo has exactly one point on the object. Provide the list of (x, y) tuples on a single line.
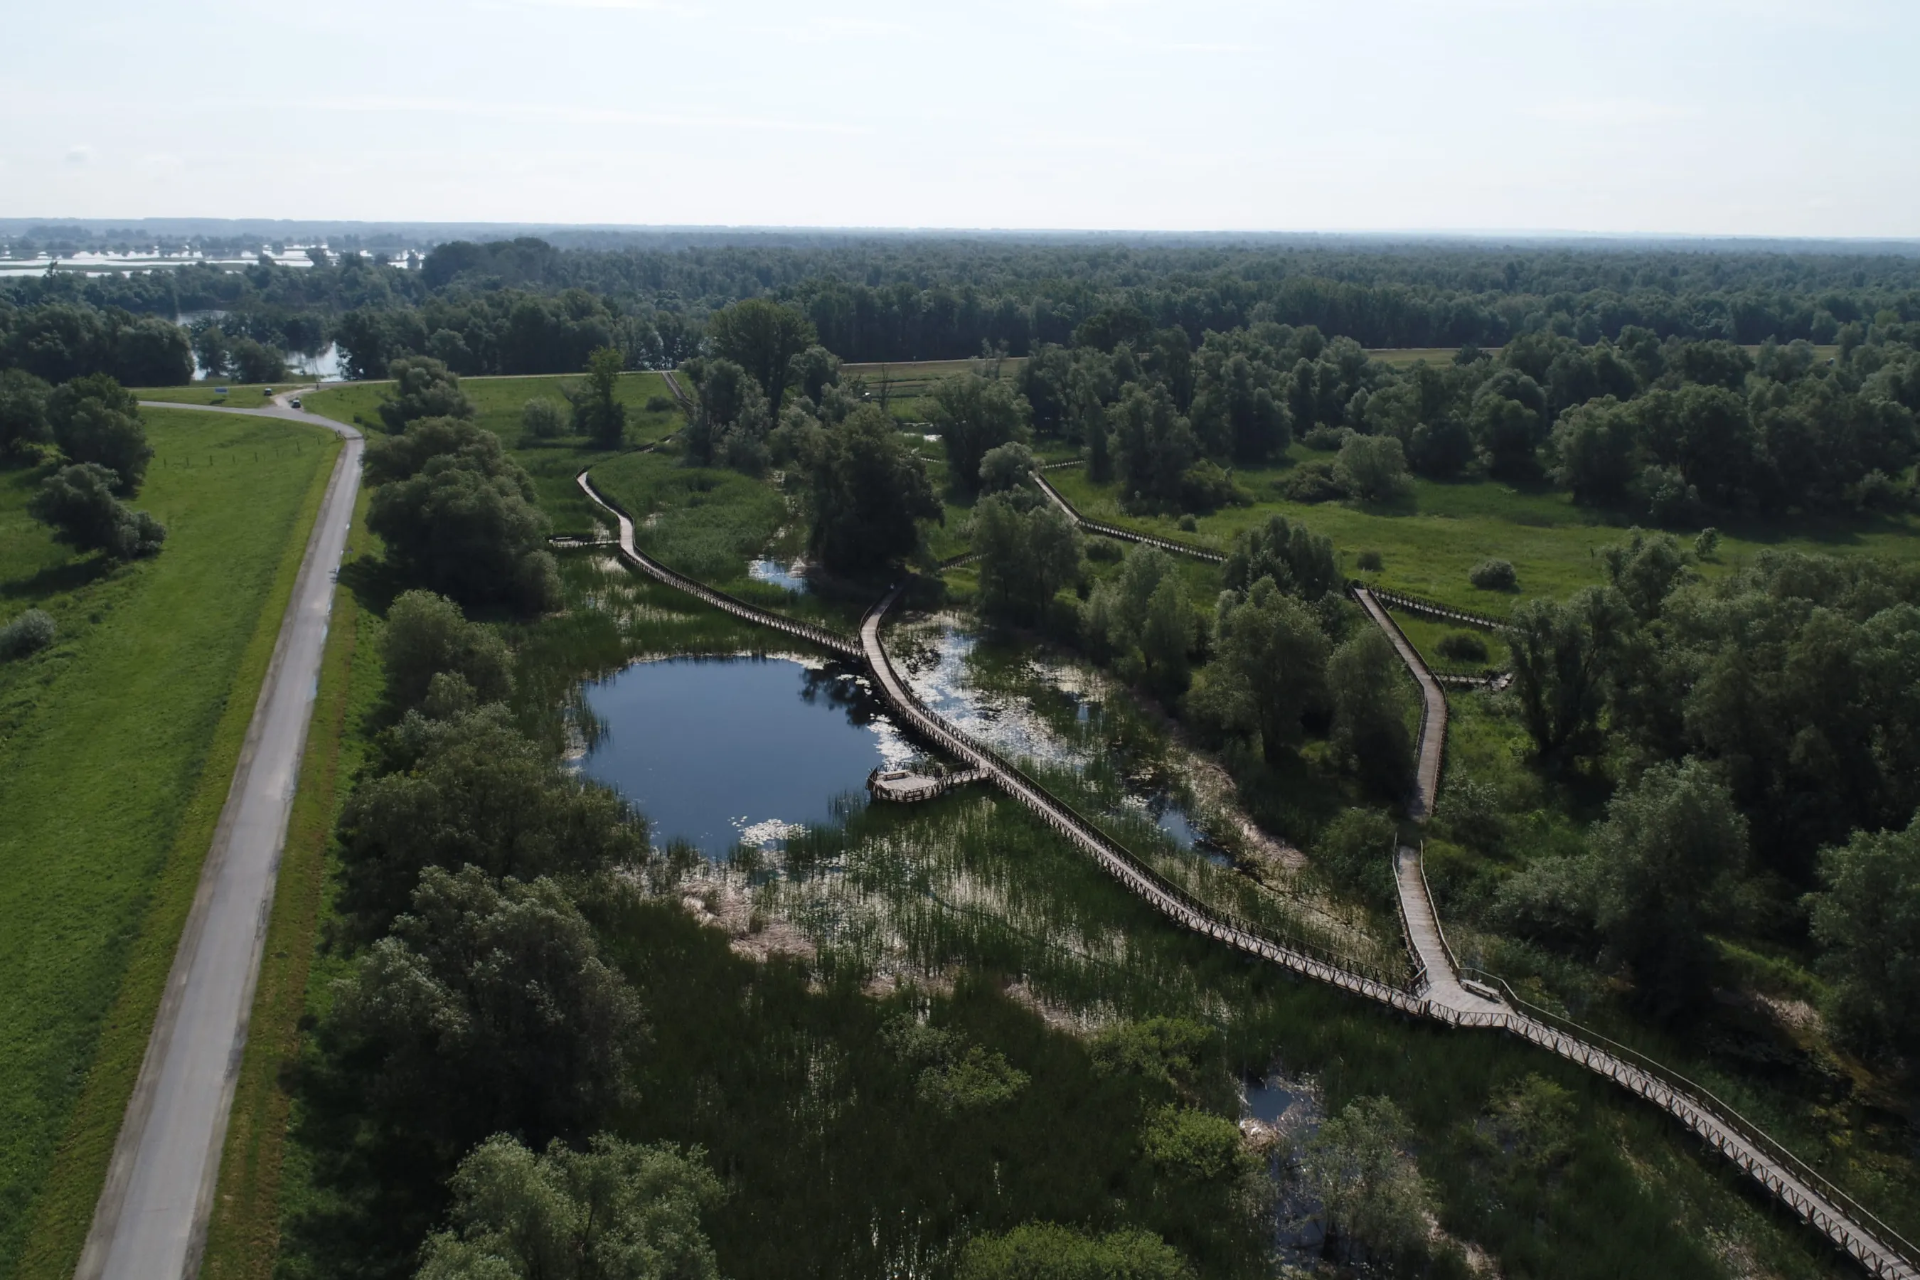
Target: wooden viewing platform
[(904, 786), (1440, 991)]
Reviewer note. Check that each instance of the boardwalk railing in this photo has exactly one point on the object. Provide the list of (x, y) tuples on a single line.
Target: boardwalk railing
[(1723, 1128), (1880, 1250), (1427, 608), (829, 640), (1816, 1200), (1433, 704), (679, 392), (1172, 900), (1126, 535)]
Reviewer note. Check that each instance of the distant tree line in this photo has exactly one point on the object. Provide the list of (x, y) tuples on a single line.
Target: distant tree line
[(527, 306)]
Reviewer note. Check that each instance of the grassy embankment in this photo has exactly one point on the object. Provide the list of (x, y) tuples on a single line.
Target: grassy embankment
[(249, 395), (117, 747)]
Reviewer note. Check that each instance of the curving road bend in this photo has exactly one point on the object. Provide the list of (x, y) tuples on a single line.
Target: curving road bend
[(151, 1221)]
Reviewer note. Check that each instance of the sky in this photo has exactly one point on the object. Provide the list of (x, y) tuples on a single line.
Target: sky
[(1668, 117)]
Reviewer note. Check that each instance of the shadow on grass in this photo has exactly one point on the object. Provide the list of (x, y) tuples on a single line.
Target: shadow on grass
[(374, 583), (60, 579)]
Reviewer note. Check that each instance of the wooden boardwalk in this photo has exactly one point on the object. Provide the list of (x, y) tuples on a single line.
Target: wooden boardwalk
[(1440, 993), (1433, 710)]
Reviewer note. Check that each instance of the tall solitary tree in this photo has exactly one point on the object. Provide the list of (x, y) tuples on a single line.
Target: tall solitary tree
[(1273, 650), (868, 493), (422, 388), (762, 337), (595, 411), (974, 415), (1666, 858)]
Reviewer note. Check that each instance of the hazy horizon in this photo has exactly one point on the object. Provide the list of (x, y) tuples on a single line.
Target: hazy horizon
[(296, 226)]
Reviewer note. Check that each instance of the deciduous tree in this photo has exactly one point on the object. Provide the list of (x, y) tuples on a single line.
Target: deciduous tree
[(95, 419), (616, 1211), (974, 415), (762, 337), (868, 493)]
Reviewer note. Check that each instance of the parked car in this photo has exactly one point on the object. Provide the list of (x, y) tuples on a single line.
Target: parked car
[(295, 402)]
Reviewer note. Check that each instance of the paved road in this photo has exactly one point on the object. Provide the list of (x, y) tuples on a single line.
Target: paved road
[(151, 1221)]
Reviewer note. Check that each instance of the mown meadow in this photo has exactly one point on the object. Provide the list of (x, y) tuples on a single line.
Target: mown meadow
[(1437, 530), (117, 745)]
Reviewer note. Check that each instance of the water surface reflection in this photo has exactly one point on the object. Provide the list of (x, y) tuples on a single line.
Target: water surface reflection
[(720, 751)]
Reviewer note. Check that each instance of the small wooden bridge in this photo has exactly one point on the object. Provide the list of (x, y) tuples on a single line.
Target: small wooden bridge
[(1440, 990)]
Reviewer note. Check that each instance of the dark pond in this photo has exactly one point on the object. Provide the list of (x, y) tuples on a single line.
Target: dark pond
[(720, 751), (1291, 1111)]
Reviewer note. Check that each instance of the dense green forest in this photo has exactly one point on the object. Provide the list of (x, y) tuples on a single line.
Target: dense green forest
[(526, 306)]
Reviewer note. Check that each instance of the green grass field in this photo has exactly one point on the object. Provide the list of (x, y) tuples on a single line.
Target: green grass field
[(117, 745), (907, 382), (1432, 536), (239, 395), (499, 402), (1426, 634)]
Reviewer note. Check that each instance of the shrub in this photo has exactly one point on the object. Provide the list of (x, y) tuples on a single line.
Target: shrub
[(1372, 468), (29, 633), (1313, 482), (422, 388), (1463, 646), (1370, 562), (1357, 847), (541, 419), (1044, 1249), (78, 503), (97, 420), (427, 635), (1494, 575), (1324, 438), (661, 404), (1205, 487), (1005, 467), (1188, 524)]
